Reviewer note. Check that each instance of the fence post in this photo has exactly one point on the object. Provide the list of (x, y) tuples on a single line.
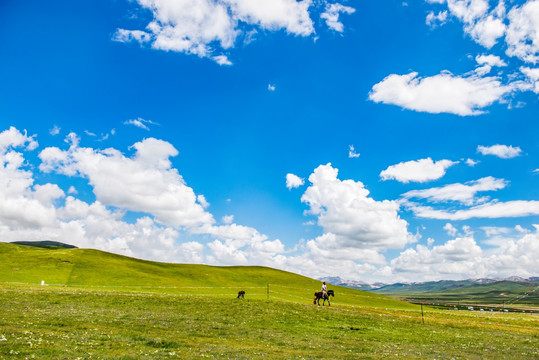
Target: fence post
[(422, 318)]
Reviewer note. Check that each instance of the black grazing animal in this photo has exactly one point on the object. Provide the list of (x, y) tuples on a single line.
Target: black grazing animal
[(241, 294), (320, 295)]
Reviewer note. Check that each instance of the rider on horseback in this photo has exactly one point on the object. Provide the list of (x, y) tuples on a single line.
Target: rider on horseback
[(324, 289)]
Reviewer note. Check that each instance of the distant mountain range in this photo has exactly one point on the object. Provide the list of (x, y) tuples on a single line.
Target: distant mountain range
[(418, 287), (45, 244)]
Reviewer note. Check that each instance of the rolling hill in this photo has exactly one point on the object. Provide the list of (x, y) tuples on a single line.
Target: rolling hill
[(93, 269)]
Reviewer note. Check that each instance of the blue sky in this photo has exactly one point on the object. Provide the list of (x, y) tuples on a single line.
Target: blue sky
[(372, 140)]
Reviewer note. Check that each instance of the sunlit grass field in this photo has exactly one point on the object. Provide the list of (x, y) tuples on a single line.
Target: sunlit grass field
[(133, 309)]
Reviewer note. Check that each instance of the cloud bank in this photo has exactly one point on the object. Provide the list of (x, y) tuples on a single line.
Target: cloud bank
[(208, 28)]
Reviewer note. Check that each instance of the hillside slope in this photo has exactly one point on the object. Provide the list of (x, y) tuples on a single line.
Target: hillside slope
[(94, 269)]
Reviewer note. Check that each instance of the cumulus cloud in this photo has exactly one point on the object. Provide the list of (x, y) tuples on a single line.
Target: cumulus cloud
[(434, 20), (222, 60), (23, 204), (487, 25), (456, 258), (443, 93), (462, 258), (227, 219), (293, 181), (532, 75), (471, 93), (422, 170), (501, 151), (238, 244), (463, 193), (54, 131), (145, 184), (491, 60), (357, 221), (331, 15), (523, 32), (471, 162), (484, 26), (202, 27), (450, 229)]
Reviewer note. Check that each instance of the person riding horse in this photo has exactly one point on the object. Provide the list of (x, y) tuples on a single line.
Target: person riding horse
[(323, 294)]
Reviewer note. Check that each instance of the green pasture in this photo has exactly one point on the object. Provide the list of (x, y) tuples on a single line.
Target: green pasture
[(102, 306), (512, 294), (97, 270)]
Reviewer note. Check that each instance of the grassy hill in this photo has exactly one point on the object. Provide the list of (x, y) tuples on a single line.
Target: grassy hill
[(104, 306), (94, 269)]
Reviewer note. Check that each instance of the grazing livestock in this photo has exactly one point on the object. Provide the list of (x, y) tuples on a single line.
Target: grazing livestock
[(320, 295), (241, 294)]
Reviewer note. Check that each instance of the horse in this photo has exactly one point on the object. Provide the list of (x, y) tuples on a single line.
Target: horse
[(241, 294), (320, 295)]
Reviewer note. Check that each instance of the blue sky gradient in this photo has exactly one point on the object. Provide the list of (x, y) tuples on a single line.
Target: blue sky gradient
[(408, 131)]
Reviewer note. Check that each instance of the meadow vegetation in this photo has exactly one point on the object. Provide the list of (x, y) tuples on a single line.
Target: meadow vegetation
[(133, 309)]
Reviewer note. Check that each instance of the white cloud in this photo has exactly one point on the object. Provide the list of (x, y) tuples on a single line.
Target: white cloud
[(140, 123), (54, 131), (222, 60), (443, 93), (468, 11), (520, 229), (422, 170), (352, 152), (484, 27), (271, 87), (143, 183), (471, 162), (491, 60), (433, 20), (227, 219), (462, 258), (331, 15), (201, 27), (237, 244), (202, 201), (520, 25), (491, 210), (293, 181), (357, 221), (487, 31), (456, 258), (532, 76), (463, 193), (14, 138), (501, 151), (495, 230), (127, 36), (450, 229), (522, 36)]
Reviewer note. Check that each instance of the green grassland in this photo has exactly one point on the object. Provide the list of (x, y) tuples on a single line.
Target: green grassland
[(103, 306), (514, 295)]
